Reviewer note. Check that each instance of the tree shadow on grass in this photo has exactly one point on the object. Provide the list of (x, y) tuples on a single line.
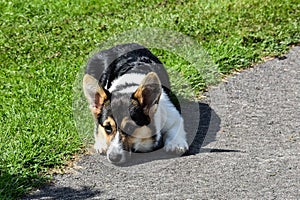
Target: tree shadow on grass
[(14, 186), (64, 193)]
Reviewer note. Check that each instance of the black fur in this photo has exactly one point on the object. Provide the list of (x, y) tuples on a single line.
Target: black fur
[(110, 64)]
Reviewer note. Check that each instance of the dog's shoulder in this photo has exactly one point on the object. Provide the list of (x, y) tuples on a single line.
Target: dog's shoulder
[(101, 64)]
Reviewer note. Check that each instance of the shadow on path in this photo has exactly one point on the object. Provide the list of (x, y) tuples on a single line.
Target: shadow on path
[(209, 126), (201, 123), (65, 193)]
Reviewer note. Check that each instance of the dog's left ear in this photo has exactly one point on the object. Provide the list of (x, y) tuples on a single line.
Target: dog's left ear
[(95, 94), (148, 93)]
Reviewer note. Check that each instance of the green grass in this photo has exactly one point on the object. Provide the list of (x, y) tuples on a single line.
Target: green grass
[(43, 45)]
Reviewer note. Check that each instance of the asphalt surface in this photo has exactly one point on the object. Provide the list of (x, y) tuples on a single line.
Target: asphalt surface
[(246, 146)]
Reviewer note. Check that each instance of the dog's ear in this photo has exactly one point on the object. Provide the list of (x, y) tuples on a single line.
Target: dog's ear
[(95, 94), (148, 93)]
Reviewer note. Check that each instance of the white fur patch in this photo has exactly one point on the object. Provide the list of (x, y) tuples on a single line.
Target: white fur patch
[(128, 90), (115, 147), (127, 79), (100, 141), (167, 119)]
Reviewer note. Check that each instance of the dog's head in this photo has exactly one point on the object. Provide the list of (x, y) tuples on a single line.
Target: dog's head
[(125, 118)]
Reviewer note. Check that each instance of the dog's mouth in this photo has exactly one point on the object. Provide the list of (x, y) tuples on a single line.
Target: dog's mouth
[(125, 156), (119, 158)]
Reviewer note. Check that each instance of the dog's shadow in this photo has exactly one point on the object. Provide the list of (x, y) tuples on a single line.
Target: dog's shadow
[(201, 124)]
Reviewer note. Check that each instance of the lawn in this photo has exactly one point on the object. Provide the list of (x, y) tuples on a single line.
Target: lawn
[(44, 44)]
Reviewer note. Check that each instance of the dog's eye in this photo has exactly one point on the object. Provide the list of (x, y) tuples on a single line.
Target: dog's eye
[(108, 129)]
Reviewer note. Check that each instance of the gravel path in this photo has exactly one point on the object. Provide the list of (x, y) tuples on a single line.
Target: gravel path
[(250, 135)]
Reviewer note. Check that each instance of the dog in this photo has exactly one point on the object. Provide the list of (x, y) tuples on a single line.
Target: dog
[(128, 92)]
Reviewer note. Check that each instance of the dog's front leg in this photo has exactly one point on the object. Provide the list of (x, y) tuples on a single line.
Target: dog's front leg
[(175, 140), (100, 141)]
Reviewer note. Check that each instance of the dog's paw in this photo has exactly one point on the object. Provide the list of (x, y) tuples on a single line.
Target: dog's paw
[(178, 147), (100, 148)]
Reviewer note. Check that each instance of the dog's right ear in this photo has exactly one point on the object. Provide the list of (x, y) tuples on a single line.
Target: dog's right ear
[(95, 94), (148, 93)]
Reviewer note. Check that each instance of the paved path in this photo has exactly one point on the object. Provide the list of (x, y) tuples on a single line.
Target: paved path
[(251, 149)]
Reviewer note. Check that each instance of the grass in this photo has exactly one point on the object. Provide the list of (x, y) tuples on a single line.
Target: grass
[(43, 45)]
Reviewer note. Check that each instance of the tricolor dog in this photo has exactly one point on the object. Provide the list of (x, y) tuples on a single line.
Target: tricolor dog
[(128, 91)]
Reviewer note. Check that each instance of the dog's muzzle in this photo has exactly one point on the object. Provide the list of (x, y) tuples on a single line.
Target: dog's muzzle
[(114, 157)]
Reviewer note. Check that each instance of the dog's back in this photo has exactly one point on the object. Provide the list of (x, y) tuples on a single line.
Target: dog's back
[(106, 66)]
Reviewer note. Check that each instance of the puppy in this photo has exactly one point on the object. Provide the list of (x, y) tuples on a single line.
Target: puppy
[(127, 89)]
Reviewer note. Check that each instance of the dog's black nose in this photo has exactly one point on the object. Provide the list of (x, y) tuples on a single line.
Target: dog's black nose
[(115, 157)]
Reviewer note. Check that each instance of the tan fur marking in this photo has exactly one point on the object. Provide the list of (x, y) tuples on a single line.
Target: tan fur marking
[(108, 137), (100, 98), (141, 139), (102, 135), (148, 92), (138, 94), (95, 94), (142, 133), (151, 78)]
